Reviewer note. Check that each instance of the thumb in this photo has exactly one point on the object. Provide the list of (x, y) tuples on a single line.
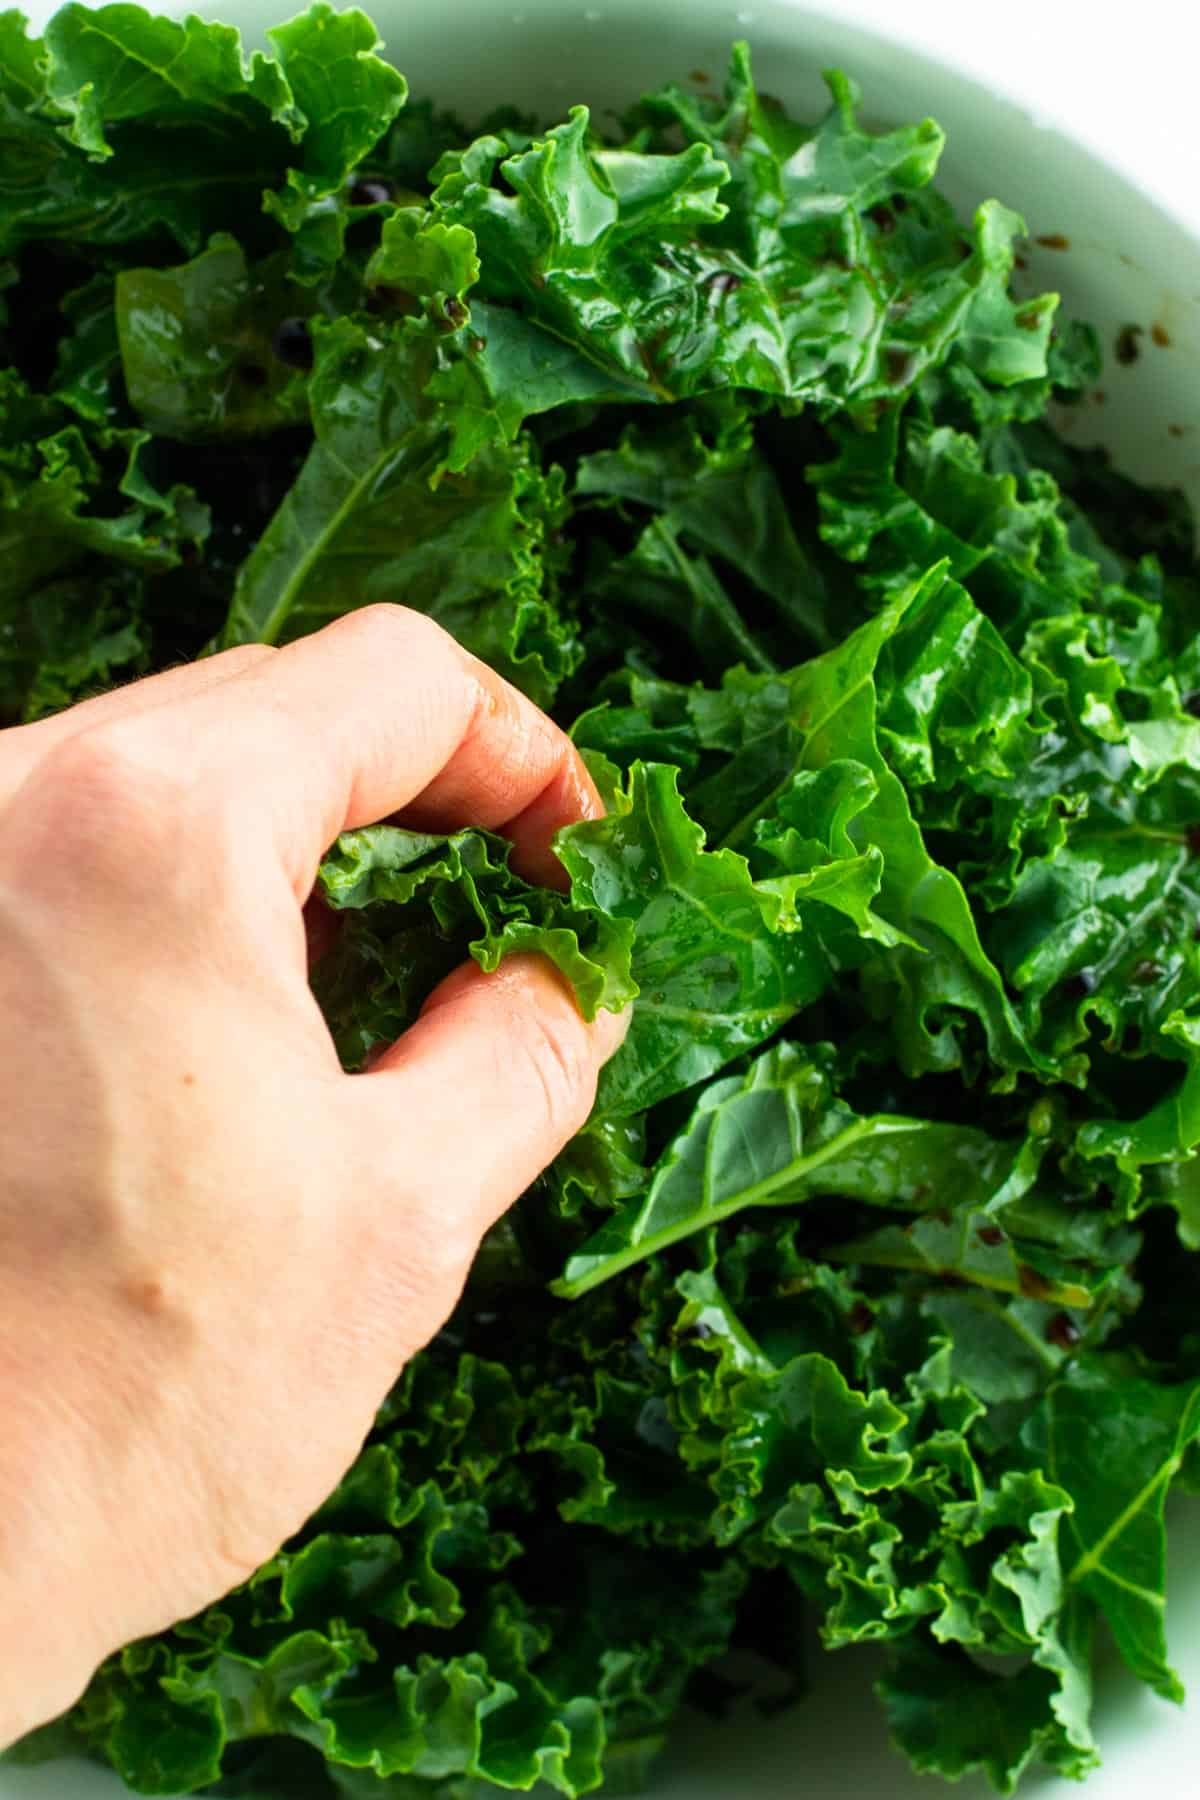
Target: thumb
[(486, 1088)]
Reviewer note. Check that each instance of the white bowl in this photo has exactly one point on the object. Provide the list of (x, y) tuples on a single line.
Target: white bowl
[(1134, 256)]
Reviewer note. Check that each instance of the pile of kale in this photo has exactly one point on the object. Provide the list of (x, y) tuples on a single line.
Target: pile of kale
[(869, 1291)]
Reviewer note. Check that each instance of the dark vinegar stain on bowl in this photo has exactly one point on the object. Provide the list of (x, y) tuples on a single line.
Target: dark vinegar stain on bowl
[(1128, 345)]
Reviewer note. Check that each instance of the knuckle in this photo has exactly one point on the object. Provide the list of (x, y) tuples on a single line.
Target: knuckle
[(110, 770), (103, 798), (383, 629), (241, 657)]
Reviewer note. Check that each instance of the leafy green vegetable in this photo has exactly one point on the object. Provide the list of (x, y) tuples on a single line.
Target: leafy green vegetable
[(84, 114), (776, 1137), (716, 966), (195, 347), (868, 1290), (374, 513), (349, 96), (1117, 1440)]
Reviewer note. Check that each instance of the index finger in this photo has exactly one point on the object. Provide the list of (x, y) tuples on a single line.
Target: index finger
[(380, 713)]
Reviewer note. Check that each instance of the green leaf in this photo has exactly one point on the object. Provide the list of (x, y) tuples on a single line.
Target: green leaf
[(81, 636), (117, 63), (513, 370), (1115, 1440), (373, 515), (659, 582), (348, 96), (715, 971), (969, 1247), (572, 205), (466, 881), (776, 1137), (85, 166), (89, 355), (64, 496), (119, 77), (1004, 340), (722, 498), (426, 259), (22, 60), (951, 1718), (826, 711), (196, 346), (809, 836)]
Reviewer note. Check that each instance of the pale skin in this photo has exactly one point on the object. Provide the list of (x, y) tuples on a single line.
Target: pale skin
[(217, 1249)]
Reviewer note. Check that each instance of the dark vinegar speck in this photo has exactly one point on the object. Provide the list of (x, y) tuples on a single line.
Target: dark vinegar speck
[(372, 190), (1128, 347), (1063, 1331), (292, 344)]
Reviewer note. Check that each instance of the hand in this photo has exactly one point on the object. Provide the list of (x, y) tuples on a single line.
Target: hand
[(217, 1248)]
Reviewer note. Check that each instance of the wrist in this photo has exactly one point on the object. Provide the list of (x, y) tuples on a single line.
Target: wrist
[(51, 1636)]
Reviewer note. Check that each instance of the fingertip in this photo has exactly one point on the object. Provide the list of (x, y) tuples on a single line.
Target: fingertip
[(606, 1032), (611, 1030)]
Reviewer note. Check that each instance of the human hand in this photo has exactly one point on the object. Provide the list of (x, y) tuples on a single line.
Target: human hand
[(219, 1249)]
